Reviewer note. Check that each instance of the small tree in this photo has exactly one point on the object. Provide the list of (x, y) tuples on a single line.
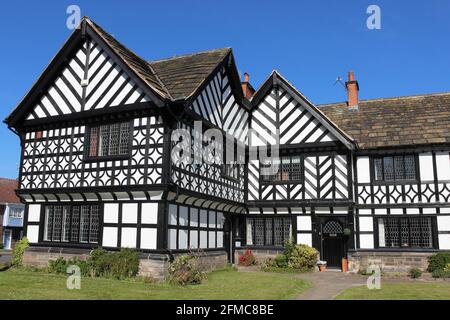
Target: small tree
[(18, 251)]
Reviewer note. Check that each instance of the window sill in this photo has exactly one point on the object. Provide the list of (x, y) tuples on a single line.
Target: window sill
[(107, 158), (281, 182)]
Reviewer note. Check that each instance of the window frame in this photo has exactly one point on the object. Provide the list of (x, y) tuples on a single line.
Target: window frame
[(198, 228), (271, 180), (70, 242), (395, 180), (434, 233), (14, 209), (87, 144), (269, 244)]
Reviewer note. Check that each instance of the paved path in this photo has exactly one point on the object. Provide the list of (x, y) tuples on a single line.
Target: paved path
[(326, 285)]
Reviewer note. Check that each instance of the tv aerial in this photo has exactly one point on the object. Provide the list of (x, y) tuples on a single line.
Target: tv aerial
[(339, 80)]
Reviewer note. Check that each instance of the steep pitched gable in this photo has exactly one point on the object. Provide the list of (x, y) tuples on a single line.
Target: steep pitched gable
[(112, 76), (278, 105)]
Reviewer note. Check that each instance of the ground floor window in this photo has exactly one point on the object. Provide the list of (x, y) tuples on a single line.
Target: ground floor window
[(405, 232), (79, 224), (268, 231), (193, 228)]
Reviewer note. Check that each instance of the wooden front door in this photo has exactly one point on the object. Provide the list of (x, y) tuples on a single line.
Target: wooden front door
[(332, 243)]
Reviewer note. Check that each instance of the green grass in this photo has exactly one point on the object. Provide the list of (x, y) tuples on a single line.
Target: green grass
[(222, 285), (399, 291)]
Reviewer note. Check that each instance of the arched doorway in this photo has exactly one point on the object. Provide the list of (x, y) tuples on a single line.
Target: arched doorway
[(332, 242)]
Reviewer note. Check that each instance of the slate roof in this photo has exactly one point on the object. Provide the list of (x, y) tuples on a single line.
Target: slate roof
[(7, 191), (182, 75), (173, 78), (395, 122)]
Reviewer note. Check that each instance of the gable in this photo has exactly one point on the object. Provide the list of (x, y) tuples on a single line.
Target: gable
[(217, 104), (107, 85), (279, 110), (279, 107)]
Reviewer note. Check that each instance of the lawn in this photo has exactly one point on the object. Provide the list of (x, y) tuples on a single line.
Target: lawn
[(400, 291), (221, 285)]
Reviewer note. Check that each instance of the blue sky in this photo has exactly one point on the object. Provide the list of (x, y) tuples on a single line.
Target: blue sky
[(309, 42)]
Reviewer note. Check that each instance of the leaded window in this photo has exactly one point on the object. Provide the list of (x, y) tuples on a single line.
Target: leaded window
[(395, 168), (72, 223), (405, 232), (15, 212), (268, 231), (288, 169), (109, 140)]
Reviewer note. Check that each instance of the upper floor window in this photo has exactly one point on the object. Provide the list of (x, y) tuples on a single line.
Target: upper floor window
[(395, 168), (287, 169), (15, 213), (109, 140), (231, 170)]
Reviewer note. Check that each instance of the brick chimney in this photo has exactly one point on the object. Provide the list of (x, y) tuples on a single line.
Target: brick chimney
[(352, 91), (247, 87)]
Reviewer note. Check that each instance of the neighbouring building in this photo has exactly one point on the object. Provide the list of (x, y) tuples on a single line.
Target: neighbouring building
[(11, 213), (363, 179)]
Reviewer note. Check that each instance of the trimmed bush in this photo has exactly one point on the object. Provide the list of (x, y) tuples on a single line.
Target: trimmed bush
[(280, 261), (415, 273), (440, 274), (18, 251), (301, 256), (120, 265), (438, 261), (247, 258), (184, 270)]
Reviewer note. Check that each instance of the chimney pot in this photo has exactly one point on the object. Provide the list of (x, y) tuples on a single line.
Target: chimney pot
[(246, 77)]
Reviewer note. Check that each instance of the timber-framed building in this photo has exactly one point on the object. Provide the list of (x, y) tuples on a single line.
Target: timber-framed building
[(364, 179)]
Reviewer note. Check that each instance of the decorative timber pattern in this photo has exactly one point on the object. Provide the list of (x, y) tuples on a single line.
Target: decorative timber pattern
[(217, 104), (279, 110), (56, 160), (208, 179), (91, 80)]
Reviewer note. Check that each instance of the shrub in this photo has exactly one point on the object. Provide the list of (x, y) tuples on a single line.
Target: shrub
[(300, 256), (438, 261), (440, 274), (57, 266), (415, 273), (120, 265), (280, 261), (184, 270), (18, 251), (247, 258)]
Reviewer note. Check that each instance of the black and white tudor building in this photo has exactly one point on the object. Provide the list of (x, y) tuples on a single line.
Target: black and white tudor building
[(368, 180)]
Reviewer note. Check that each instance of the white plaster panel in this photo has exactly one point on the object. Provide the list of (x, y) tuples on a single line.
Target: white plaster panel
[(109, 237), (128, 239), (148, 238), (129, 213), (443, 165), (33, 234), (365, 224), (444, 241), (303, 223), (111, 213), (365, 211), (363, 169), (149, 213), (304, 238), (426, 166), (34, 212), (443, 223), (366, 241)]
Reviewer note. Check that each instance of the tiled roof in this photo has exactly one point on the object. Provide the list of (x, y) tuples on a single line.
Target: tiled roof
[(182, 75), (135, 62), (173, 78), (7, 191), (394, 122)]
